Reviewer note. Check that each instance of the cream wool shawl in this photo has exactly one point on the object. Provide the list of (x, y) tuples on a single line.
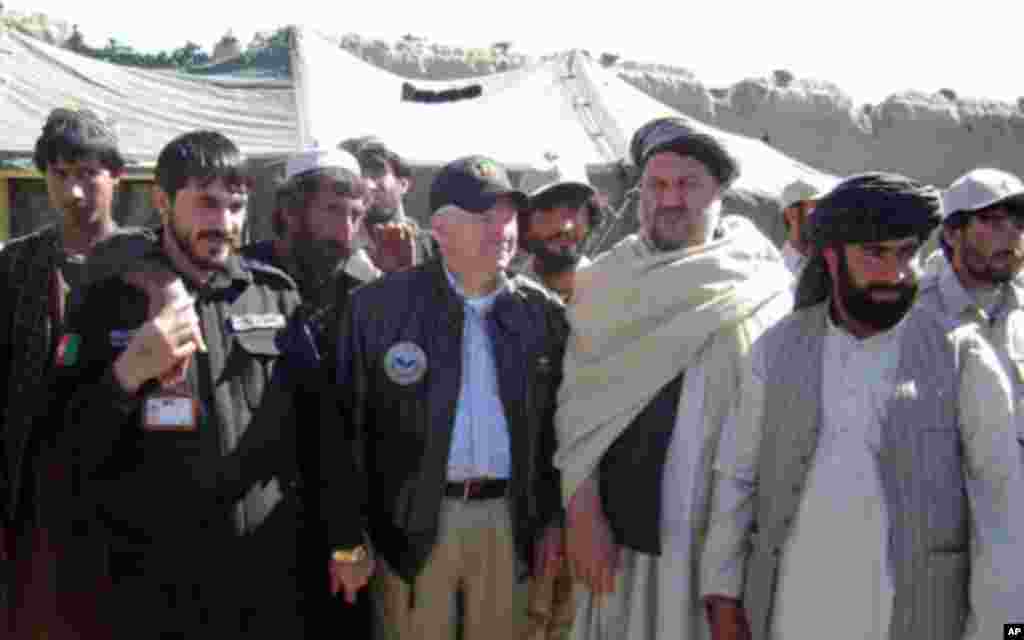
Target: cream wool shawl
[(642, 317)]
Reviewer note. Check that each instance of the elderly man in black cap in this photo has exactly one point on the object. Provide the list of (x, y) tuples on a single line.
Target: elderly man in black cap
[(660, 327), (40, 277), (864, 420), (446, 379)]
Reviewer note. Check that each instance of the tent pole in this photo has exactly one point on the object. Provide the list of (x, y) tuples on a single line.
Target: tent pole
[(299, 82), (5, 209)]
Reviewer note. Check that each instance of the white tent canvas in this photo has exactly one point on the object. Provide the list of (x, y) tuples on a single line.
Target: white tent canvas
[(622, 109), (563, 113), (148, 108), (522, 118)]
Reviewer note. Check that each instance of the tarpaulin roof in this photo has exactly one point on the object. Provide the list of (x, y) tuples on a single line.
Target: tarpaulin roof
[(147, 107), (562, 113), (521, 118)]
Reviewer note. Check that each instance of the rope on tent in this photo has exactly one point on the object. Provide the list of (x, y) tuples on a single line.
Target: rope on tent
[(598, 237)]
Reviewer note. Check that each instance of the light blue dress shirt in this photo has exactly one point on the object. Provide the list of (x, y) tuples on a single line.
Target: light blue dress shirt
[(480, 441)]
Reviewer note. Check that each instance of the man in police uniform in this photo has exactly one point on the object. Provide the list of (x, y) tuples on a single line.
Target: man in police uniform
[(185, 437)]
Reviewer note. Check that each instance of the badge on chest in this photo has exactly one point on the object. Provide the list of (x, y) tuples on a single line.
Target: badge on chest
[(405, 363), (170, 411)]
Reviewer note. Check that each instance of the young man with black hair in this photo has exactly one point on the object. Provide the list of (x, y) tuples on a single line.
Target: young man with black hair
[(40, 275), (186, 434)]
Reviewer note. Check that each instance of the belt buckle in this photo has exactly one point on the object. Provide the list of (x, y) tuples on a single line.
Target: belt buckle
[(469, 487)]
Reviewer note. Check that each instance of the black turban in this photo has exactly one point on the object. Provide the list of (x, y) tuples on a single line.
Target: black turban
[(869, 207)]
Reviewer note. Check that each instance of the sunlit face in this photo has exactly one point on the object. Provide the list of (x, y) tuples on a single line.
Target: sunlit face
[(386, 193), (329, 225), (679, 200), (207, 221), (83, 190), (555, 236), (874, 283), (483, 242), (989, 249)]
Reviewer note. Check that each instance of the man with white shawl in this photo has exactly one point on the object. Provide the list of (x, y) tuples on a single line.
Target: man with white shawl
[(661, 326)]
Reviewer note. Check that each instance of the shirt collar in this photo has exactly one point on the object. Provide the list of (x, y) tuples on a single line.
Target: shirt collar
[(793, 259), (481, 304), (954, 296), (958, 300)]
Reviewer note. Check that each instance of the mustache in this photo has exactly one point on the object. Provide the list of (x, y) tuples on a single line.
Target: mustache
[(890, 288), (218, 234)]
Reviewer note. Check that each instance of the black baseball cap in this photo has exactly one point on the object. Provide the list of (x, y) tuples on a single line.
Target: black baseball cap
[(474, 184)]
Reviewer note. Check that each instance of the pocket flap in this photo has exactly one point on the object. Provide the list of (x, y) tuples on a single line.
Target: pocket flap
[(259, 342)]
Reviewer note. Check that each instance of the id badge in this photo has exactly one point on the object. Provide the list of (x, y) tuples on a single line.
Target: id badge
[(169, 411)]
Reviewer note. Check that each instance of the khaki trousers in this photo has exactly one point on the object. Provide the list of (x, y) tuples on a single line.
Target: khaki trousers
[(474, 558)]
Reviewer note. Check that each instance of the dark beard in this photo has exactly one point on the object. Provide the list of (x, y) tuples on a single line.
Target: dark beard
[(233, 240), (980, 270), (317, 260), (879, 315), (547, 262), (377, 214)]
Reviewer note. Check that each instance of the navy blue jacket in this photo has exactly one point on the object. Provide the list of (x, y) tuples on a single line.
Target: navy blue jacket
[(403, 432)]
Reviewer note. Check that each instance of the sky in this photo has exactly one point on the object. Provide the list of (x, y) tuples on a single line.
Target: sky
[(869, 48)]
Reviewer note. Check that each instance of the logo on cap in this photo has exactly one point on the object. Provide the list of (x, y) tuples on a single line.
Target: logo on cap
[(486, 169), (405, 363)]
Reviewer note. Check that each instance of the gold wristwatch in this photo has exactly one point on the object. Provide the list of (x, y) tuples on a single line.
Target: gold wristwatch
[(350, 556)]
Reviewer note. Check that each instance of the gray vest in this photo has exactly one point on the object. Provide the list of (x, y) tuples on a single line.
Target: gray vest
[(920, 466)]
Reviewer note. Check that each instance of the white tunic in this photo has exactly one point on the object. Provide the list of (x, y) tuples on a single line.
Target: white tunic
[(843, 500), (834, 574), (657, 597)]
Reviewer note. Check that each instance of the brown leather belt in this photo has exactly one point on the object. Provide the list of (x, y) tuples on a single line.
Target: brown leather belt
[(477, 489)]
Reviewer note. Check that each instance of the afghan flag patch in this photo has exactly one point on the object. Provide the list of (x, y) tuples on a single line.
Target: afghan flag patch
[(67, 350)]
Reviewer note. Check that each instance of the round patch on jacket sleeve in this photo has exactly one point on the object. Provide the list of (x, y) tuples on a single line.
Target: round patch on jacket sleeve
[(405, 363)]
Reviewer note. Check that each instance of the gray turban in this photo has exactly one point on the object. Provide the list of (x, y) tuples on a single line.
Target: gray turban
[(677, 135)]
